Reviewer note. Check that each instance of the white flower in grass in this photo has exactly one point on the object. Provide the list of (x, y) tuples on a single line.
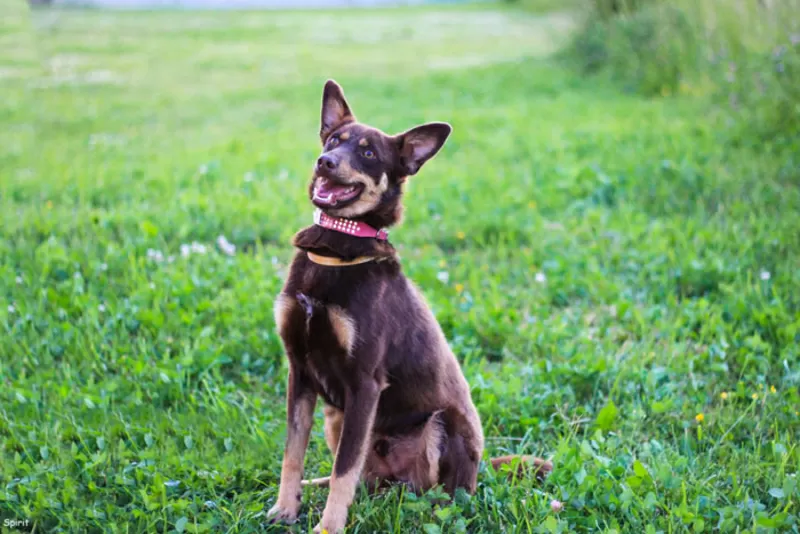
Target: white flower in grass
[(152, 285), (764, 275), (540, 278), (19, 280), (185, 250), (155, 255), (103, 266), (556, 505), (11, 308), (443, 276), (198, 248), (226, 246), (248, 176), (101, 308), (170, 259)]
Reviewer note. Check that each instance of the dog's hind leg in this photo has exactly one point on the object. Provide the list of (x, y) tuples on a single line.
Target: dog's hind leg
[(333, 432), (462, 450), (334, 418)]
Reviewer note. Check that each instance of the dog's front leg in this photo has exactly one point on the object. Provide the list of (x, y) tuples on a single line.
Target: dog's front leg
[(359, 415), (300, 402)]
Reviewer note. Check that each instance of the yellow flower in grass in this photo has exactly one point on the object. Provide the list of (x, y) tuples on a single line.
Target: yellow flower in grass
[(459, 288), (699, 418), (723, 395), (754, 396), (772, 389), (460, 234)]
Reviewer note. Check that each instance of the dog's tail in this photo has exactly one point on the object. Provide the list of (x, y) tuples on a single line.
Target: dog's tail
[(323, 482), (522, 465)]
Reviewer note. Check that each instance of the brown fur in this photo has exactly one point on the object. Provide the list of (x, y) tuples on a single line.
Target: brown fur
[(362, 337)]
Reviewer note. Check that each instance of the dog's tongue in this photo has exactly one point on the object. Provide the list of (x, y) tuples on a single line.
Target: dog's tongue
[(329, 192)]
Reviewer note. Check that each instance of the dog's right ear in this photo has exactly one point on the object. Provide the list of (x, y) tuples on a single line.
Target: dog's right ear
[(335, 110)]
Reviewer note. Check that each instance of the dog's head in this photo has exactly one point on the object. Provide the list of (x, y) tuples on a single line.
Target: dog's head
[(361, 170)]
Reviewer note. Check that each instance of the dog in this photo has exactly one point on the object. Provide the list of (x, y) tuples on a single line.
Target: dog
[(359, 334)]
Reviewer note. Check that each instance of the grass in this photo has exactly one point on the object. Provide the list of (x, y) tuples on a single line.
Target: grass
[(743, 55), (618, 278)]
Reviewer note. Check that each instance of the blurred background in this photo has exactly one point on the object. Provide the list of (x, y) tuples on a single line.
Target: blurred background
[(610, 240)]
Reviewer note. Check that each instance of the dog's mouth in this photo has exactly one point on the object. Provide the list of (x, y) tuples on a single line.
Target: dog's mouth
[(330, 194)]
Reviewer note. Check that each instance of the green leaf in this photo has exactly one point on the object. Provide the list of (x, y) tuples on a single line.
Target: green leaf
[(180, 524), (149, 228), (430, 528), (580, 476), (640, 470), (777, 493), (607, 416), (443, 514)]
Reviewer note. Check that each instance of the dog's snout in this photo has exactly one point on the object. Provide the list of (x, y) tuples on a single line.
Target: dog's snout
[(327, 161)]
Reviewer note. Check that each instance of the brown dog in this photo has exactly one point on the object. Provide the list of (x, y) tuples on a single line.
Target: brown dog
[(359, 334)]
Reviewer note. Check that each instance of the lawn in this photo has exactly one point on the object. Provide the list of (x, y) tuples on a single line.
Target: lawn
[(619, 276)]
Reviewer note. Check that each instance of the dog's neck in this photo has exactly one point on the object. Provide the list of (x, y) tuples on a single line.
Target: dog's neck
[(335, 240), (349, 226)]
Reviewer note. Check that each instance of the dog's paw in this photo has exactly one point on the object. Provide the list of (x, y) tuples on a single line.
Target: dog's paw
[(326, 527), (319, 529), (283, 514)]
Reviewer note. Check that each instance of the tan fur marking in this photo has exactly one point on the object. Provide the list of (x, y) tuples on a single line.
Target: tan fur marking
[(363, 142), (433, 436), (345, 136), (371, 196), (344, 328), (333, 427), (282, 307)]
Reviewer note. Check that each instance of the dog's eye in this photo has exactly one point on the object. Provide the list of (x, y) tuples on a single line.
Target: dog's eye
[(369, 154), (333, 141)]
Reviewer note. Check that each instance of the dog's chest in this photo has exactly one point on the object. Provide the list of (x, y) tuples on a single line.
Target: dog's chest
[(330, 334)]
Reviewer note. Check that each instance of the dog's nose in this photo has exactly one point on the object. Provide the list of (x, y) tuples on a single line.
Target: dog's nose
[(327, 161)]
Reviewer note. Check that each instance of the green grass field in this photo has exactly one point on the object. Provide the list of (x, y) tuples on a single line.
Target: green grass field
[(619, 277)]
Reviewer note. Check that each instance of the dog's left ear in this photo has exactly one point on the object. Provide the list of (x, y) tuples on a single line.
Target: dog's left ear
[(420, 144), (335, 110)]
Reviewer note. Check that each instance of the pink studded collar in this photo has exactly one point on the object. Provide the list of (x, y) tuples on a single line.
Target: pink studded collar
[(348, 226)]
